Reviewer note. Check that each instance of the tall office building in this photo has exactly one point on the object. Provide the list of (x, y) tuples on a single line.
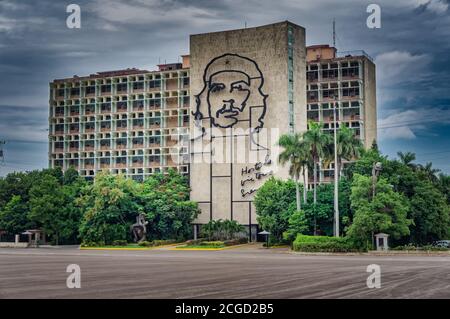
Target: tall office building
[(347, 81)]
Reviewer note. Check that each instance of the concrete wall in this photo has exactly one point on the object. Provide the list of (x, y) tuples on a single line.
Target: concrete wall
[(226, 190), (370, 103)]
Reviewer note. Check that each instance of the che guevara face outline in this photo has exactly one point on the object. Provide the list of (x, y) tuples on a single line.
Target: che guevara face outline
[(226, 92), (227, 96)]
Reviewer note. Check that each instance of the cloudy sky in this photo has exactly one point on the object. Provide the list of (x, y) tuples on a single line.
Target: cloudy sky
[(411, 51)]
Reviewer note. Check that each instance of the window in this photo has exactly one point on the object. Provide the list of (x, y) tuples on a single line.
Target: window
[(90, 90)]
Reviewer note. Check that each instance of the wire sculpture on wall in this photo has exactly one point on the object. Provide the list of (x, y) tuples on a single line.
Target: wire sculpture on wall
[(229, 82)]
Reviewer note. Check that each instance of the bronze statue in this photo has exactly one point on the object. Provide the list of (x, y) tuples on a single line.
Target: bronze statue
[(139, 229)]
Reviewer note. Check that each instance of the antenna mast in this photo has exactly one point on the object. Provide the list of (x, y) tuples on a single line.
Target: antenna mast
[(2, 156), (334, 33)]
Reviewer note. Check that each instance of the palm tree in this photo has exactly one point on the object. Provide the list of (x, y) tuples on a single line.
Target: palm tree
[(349, 146), (318, 144), (407, 158), (430, 172), (295, 153)]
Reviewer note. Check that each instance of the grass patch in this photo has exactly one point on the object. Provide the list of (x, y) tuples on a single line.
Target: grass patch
[(201, 247)]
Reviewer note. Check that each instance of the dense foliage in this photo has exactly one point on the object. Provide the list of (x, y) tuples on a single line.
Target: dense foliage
[(71, 210), (323, 244), (220, 230), (41, 199), (411, 204)]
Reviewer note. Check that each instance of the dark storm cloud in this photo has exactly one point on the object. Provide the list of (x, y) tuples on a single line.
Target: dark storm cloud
[(411, 52)]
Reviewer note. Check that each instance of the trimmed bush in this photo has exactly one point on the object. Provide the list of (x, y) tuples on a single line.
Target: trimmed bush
[(238, 241), (217, 244), (324, 244), (145, 243), (411, 247), (194, 242), (164, 242), (120, 243), (92, 244)]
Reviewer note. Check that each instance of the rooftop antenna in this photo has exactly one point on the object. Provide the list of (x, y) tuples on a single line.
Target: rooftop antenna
[(334, 33), (2, 156), (245, 25)]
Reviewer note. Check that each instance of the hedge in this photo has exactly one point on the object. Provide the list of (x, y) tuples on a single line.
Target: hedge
[(217, 244), (323, 244)]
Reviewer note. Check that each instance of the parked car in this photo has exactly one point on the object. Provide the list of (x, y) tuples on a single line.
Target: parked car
[(442, 243)]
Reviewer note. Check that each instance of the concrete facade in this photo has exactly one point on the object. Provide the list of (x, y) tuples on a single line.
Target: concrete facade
[(234, 129), (347, 80), (215, 117)]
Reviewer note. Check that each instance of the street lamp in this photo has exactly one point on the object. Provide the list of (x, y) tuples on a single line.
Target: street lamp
[(266, 233), (336, 174), (376, 169)]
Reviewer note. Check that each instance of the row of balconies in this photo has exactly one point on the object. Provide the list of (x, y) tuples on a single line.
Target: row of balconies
[(122, 88), (120, 107)]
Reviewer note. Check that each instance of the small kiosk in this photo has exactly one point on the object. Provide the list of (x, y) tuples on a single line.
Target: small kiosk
[(381, 241)]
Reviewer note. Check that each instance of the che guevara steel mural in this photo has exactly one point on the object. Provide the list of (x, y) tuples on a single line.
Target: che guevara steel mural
[(233, 95)]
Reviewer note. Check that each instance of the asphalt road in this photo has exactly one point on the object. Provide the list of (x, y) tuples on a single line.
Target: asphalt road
[(249, 272)]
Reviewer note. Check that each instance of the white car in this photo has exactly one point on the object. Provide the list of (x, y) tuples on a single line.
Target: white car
[(442, 243)]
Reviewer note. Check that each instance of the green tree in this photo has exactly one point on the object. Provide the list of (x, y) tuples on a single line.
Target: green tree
[(386, 212), (318, 145), (52, 207), (349, 146), (13, 216), (430, 214), (407, 158), (295, 153), (110, 206), (297, 224), (275, 202), (167, 206)]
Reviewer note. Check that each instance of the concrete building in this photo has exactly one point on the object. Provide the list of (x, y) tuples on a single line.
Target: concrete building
[(129, 121), (216, 117), (248, 88), (348, 81)]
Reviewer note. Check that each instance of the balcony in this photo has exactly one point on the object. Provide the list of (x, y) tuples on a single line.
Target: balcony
[(121, 146)]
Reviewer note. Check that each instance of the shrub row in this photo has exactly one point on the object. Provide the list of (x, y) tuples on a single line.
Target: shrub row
[(238, 241), (421, 248), (155, 243), (323, 244), (204, 242), (216, 243)]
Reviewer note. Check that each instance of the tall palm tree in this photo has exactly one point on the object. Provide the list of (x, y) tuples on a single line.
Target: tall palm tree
[(349, 146), (407, 158), (296, 154), (318, 145), (430, 172)]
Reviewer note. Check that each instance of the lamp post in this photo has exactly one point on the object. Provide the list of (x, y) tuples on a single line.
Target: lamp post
[(376, 169), (336, 175), (266, 233)]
